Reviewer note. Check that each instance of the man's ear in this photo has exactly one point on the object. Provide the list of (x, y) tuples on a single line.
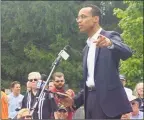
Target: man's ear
[(96, 19)]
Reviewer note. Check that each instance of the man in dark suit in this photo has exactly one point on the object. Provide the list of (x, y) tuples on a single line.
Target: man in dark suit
[(103, 95)]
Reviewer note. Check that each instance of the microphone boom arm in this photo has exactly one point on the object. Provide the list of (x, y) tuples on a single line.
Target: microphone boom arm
[(61, 55)]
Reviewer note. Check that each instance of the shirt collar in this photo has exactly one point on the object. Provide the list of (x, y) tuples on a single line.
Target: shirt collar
[(14, 95), (90, 40)]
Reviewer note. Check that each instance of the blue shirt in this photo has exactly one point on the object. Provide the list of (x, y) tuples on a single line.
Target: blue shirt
[(139, 116), (13, 103)]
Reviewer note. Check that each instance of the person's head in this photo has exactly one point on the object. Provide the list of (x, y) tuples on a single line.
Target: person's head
[(58, 80), (138, 91), (126, 116), (135, 107), (122, 79), (2, 89), (134, 104), (88, 18), (43, 77), (33, 77), (24, 113), (15, 87), (51, 86)]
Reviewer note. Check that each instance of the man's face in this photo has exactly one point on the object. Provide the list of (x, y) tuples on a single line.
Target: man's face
[(59, 82), (135, 106), (140, 89), (85, 19), (51, 86), (33, 83), (16, 89)]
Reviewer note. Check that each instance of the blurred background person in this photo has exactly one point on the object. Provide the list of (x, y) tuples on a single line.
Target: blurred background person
[(4, 106), (44, 79), (136, 113), (44, 108), (23, 114), (62, 113), (59, 83), (14, 99), (127, 116), (123, 80), (51, 86), (138, 92)]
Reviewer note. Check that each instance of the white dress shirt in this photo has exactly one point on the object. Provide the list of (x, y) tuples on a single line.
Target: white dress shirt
[(91, 59), (128, 91)]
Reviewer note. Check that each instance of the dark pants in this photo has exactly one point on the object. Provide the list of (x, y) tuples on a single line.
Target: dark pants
[(93, 108)]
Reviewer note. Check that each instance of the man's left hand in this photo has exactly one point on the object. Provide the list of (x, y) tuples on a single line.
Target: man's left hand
[(102, 41)]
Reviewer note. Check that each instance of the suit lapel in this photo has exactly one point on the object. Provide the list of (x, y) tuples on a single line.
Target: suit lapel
[(97, 49), (96, 54)]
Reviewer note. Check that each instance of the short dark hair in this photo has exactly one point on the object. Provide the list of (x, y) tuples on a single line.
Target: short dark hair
[(96, 11), (57, 74), (14, 83), (43, 77)]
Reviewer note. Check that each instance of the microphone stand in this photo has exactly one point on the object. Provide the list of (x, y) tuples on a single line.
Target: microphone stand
[(54, 64)]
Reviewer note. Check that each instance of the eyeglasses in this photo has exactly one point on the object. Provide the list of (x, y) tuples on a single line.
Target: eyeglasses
[(59, 81), (82, 17), (33, 80)]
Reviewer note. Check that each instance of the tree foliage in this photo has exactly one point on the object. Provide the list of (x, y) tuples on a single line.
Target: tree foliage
[(131, 22), (33, 33)]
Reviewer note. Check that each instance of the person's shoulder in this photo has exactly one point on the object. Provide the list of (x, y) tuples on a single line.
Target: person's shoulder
[(128, 89), (141, 114), (3, 95), (10, 95), (21, 96), (110, 32)]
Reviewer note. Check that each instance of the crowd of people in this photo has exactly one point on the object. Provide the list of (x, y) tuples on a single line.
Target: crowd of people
[(17, 106)]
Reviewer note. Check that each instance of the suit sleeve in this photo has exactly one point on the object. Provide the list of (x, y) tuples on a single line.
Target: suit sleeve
[(79, 100), (119, 48)]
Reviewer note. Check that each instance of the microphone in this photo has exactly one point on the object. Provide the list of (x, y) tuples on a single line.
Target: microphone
[(62, 54)]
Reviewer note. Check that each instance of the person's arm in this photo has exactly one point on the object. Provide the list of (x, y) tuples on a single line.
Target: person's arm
[(78, 100), (118, 47)]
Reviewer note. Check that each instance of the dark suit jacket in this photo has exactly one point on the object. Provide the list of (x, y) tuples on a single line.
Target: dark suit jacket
[(113, 99)]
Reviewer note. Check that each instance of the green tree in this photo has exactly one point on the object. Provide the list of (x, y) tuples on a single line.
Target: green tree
[(33, 33), (131, 22)]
